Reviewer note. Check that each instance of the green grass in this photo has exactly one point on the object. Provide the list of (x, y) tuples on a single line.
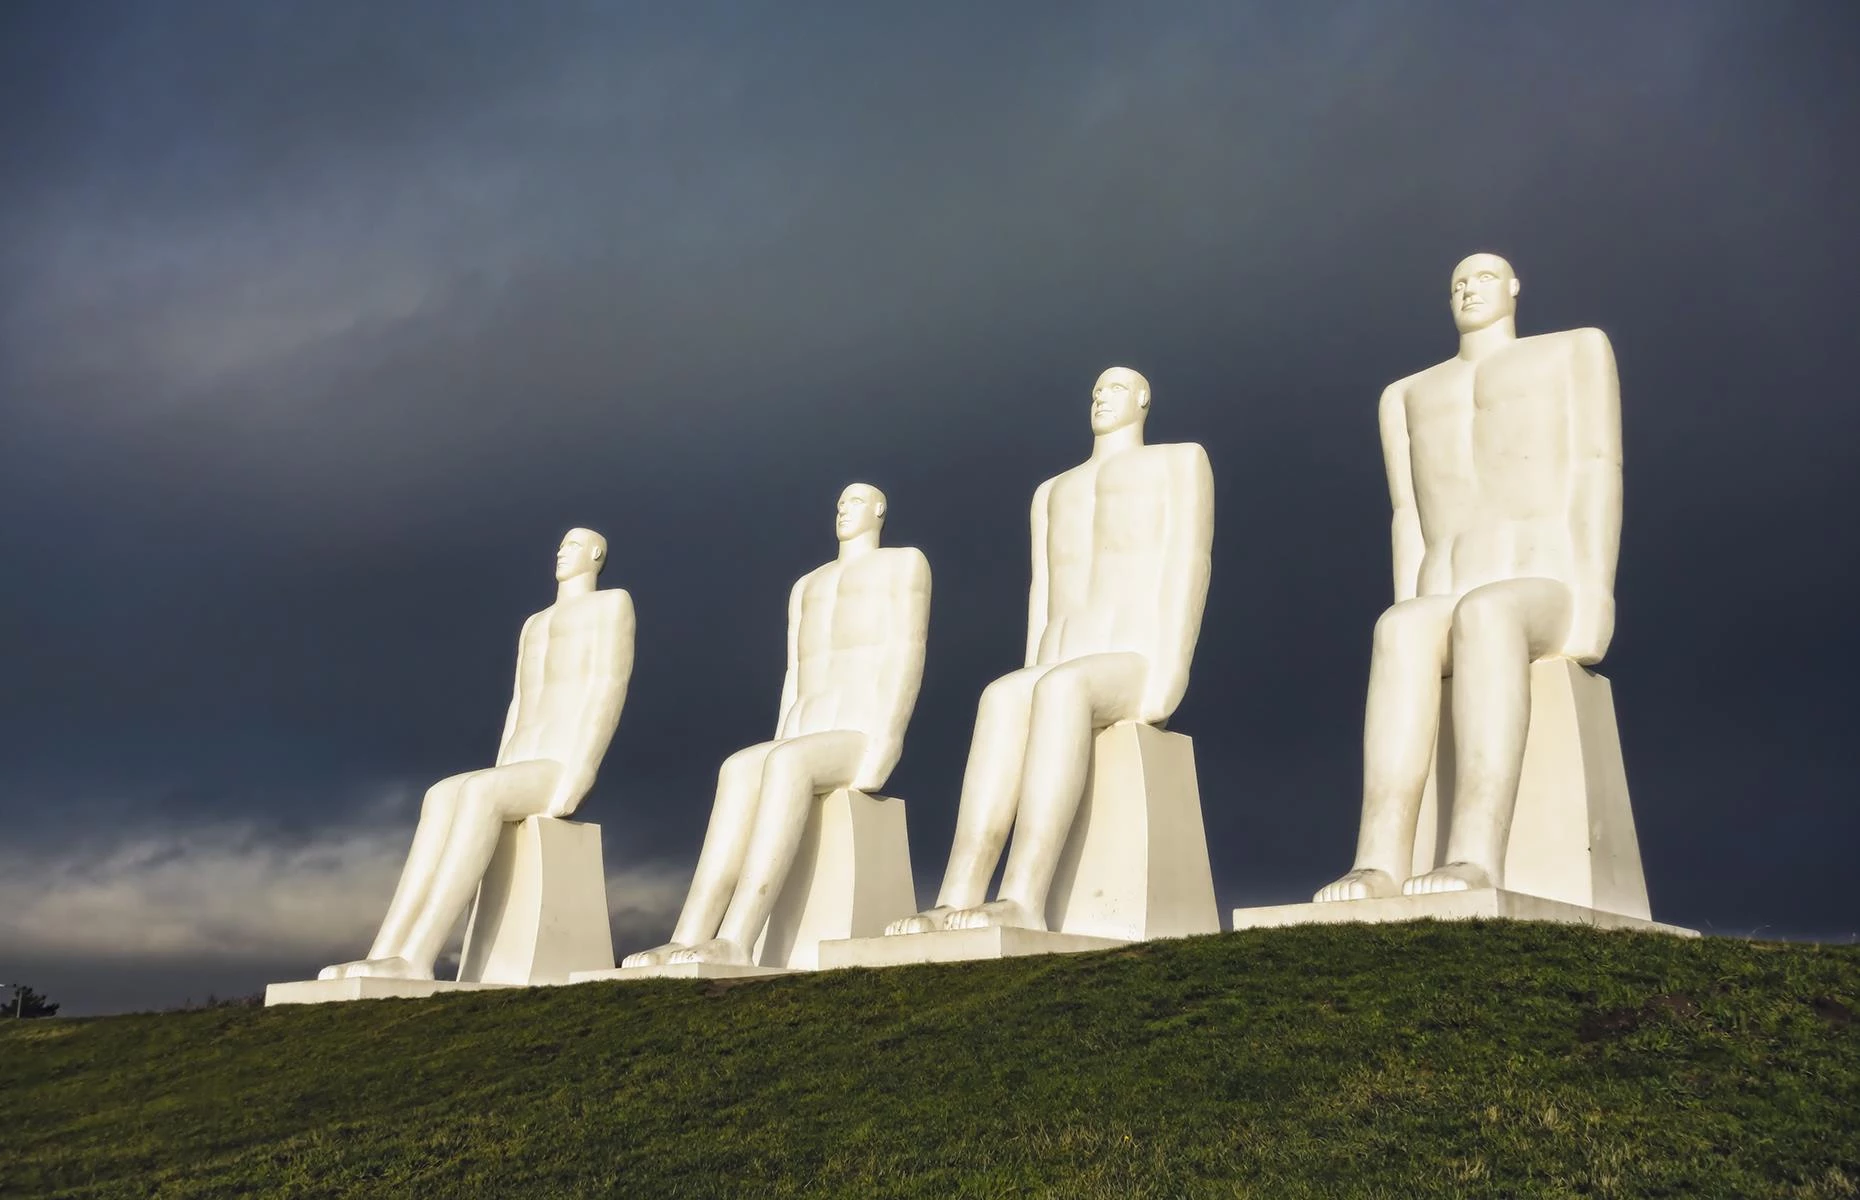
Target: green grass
[(1481, 1060)]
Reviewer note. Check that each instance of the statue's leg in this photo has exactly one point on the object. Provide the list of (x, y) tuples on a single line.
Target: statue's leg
[(486, 800), (1499, 630), (1401, 721), (416, 876), (1071, 703), (429, 839), (720, 862), (990, 794), (795, 771)]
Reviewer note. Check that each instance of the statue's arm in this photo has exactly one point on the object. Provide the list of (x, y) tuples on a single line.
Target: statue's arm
[(1595, 494), (604, 694), (1406, 545), (1188, 551), (1036, 591), (903, 665), (516, 692), (791, 683)]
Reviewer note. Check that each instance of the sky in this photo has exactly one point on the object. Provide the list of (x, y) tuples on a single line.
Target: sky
[(321, 322)]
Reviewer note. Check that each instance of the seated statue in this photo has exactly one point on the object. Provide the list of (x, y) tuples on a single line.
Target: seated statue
[(856, 634), (1504, 469), (574, 660), (1120, 576)]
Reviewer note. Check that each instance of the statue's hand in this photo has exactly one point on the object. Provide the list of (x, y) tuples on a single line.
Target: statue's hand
[(1591, 627)]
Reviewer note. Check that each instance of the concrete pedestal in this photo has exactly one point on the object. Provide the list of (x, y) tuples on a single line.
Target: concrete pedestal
[(1134, 867), (540, 915), (955, 945), (1445, 906), (322, 991), (1572, 833), (851, 877), (678, 971), (541, 912)]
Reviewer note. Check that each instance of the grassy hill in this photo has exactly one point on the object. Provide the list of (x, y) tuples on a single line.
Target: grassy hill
[(1477, 1060)]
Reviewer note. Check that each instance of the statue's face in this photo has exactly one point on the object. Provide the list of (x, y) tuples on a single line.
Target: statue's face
[(1119, 398), (1485, 289), (581, 552), (861, 509)]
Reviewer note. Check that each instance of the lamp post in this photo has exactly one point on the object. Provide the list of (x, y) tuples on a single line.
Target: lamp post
[(19, 1001)]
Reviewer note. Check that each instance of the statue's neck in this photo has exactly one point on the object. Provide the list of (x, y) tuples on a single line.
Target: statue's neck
[(1117, 441), (1481, 342), (859, 545), (574, 586)]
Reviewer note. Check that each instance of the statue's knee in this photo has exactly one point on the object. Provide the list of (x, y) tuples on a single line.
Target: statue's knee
[(1005, 694), (736, 766), (440, 799), (476, 802), (1483, 617), (785, 771), (1403, 630), (1060, 691)]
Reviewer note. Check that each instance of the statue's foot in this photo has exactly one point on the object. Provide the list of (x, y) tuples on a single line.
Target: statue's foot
[(1008, 914), (928, 921), (376, 968), (1454, 877), (717, 950), (1364, 883), (652, 957)]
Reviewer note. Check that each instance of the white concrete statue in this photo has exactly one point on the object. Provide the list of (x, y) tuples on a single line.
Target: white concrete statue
[(857, 628), (1504, 468), (574, 660), (1120, 577)]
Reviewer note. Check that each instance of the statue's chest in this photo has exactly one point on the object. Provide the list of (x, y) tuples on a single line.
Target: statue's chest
[(1114, 506)]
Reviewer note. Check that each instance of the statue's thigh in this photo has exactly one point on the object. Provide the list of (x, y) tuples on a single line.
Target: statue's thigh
[(1109, 685), (1536, 609), (515, 790), (819, 759)]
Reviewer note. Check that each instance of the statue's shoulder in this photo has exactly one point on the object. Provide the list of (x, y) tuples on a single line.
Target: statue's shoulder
[(1397, 392), (1587, 338), (902, 556), (824, 569), (611, 602), (1186, 453), (1176, 459)]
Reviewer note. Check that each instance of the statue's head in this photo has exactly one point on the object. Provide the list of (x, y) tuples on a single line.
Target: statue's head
[(1121, 397), (1485, 290), (583, 552), (861, 509)]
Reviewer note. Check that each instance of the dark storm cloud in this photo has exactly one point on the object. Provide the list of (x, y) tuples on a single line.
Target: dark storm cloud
[(321, 323)]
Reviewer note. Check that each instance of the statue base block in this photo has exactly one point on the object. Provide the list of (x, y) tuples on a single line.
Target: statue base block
[(851, 877), (325, 991), (541, 912), (1135, 865), (679, 971), (956, 945), (1446, 906), (1572, 831)]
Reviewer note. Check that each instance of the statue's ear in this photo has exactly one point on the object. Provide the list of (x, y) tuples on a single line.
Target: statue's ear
[(1515, 286), (879, 509), (1143, 398)]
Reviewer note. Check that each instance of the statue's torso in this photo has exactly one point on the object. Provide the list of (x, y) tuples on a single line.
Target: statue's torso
[(1489, 450), (1108, 525), (558, 668), (860, 643)]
